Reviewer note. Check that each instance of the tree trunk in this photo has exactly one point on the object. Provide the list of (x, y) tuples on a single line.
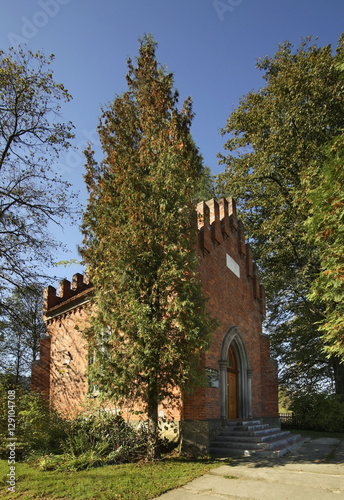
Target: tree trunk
[(153, 451), (338, 369)]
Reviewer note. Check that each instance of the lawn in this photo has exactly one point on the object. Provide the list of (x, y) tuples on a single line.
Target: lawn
[(139, 481)]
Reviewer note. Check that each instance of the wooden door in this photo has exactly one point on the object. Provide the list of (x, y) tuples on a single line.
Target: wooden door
[(232, 386), (232, 395)]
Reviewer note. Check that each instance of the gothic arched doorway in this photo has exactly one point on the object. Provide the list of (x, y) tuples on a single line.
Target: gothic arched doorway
[(235, 377)]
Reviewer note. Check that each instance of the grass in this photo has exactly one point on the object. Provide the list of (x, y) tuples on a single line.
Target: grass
[(140, 481)]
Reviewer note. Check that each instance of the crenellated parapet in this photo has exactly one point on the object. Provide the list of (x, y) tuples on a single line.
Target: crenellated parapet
[(66, 290), (217, 221)]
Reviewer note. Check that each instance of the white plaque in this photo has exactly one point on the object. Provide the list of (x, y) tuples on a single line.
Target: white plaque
[(232, 265)]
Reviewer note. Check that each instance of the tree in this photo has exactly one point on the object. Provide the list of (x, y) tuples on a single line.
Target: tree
[(325, 230), (277, 138), (149, 324), (21, 328), (31, 194)]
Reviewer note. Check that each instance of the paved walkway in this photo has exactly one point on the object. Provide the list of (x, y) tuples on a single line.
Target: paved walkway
[(315, 471)]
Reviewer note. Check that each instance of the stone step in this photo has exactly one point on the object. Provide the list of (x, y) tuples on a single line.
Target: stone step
[(246, 427), (241, 432), (254, 445), (273, 434), (252, 437), (266, 432), (274, 452), (240, 423)]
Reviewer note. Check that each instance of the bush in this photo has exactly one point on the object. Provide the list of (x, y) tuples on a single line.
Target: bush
[(37, 427), (41, 427), (107, 433), (92, 439), (101, 439), (320, 412)]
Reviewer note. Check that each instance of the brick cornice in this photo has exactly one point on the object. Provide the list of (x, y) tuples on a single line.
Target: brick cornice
[(69, 304)]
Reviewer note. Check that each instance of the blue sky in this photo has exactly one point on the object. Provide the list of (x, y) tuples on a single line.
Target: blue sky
[(211, 46)]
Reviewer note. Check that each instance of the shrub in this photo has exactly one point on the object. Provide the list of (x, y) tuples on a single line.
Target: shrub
[(108, 431), (94, 438), (37, 427), (321, 412), (41, 427), (101, 439)]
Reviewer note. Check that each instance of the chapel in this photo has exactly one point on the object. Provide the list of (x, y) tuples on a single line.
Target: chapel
[(242, 377)]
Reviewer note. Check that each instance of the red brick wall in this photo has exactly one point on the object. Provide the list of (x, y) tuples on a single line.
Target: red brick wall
[(236, 302), (68, 371), (61, 372)]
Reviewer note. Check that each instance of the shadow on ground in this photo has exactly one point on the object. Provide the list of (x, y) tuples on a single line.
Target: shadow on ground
[(314, 451)]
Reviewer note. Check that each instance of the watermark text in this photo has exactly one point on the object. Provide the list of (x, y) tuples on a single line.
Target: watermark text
[(11, 445), (223, 6), (31, 26), (75, 157)]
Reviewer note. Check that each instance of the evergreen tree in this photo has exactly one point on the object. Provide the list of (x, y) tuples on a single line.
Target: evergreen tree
[(149, 325)]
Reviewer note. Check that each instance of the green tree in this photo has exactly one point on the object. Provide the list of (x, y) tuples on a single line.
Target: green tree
[(325, 229), (21, 328), (149, 326), (32, 195), (277, 138)]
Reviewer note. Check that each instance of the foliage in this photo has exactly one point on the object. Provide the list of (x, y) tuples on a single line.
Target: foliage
[(108, 435), (206, 186), (318, 411), (325, 229), (277, 138), (283, 399), (96, 440), (21, 327), (99, 439), (38, 427), (139, 243), (32, 195)]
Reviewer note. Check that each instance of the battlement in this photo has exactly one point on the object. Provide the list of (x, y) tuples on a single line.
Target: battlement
[(66, 290), (217, 221)]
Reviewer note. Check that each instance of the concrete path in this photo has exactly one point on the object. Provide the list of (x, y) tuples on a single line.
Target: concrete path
[(315, 471)]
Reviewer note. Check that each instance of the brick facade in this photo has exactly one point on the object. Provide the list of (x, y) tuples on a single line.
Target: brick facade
[(235, 297), (61, 371)]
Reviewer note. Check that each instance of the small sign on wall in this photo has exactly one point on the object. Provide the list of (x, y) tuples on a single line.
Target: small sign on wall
[(232, 265), (212, 377)]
